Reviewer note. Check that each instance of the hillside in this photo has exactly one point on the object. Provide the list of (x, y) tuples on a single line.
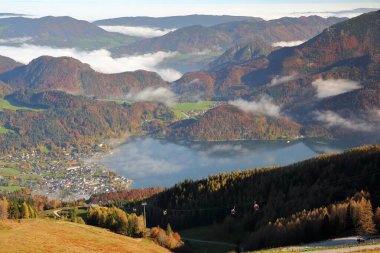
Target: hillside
[(72, 76), (241, 53), (346, 50), (299, 78), (4, 89), (56, 119), (220, 37), (228, 122), (60, 32), (59, 236), (7, 64), (318, 192), (172, 22)]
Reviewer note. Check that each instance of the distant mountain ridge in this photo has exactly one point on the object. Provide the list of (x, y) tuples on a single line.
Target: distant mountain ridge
[(173, 21), (220, 37), (72, 76), (60, 32), (7, 64), (346, 50)]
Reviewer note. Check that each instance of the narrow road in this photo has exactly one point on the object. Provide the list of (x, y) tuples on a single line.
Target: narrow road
[(347, 250)]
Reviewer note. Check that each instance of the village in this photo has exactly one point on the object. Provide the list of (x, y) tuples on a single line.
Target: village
[(66, 176)]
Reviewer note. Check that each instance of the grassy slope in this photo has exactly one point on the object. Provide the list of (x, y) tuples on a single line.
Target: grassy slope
[(6, 105), (181, 109), (9, 172), (4, 130), (56, 236), (11, 188)]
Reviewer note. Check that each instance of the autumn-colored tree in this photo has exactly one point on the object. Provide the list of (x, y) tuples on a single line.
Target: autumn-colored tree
[(169, 230), (4, 205), (25, 211), (116, 220), (377, 218), (161, 237), (136, 225), (168, 239), (366, 224)]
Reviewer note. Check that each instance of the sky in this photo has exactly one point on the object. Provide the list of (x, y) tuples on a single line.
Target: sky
[(97, 9)]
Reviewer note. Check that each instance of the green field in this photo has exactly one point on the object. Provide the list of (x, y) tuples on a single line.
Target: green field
[(186, 107), (10, 188), (9, 172), (6, 105), (4, 130), (181, 109)]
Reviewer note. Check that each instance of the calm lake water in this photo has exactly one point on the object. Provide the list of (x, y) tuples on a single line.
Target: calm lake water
[(151, 162)]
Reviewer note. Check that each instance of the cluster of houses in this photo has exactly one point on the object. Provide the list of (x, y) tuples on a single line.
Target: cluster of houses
[(64, 176)]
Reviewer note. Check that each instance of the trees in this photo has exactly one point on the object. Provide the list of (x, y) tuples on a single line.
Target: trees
[(366, 224), (25, 211), (4, 205), (116, 220), (168, 239), (279, 191), (70, 120), (169, 230), (377, 218), (317, 224)]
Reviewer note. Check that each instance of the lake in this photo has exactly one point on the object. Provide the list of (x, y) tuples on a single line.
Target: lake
[(151, 162)]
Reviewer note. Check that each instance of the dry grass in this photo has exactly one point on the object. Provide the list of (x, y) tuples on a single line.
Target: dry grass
[(56, 236)]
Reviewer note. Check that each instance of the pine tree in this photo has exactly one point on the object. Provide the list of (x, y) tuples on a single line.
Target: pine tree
[(377, 218), (169, 230), (366, 224), (25, 211), (31, 212), (349, 224), (4, 205)]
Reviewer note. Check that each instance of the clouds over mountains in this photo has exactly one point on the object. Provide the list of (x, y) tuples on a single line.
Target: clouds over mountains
[(161, 94), (334, 87), (138, 31), (333, 119), (264, 106), (101, 60)]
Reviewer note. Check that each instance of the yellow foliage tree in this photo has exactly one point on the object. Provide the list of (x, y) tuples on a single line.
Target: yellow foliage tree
[(4, 209)]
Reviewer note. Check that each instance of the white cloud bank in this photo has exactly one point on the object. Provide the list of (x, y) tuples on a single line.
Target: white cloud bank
[(161, 94), (332, 119), (282, 79), (334, 87), (264, 106), (138, 31), (287, 43), (16, 40), (100, 60)]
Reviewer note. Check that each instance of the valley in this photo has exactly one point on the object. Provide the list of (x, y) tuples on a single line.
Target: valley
[(183, 128)]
